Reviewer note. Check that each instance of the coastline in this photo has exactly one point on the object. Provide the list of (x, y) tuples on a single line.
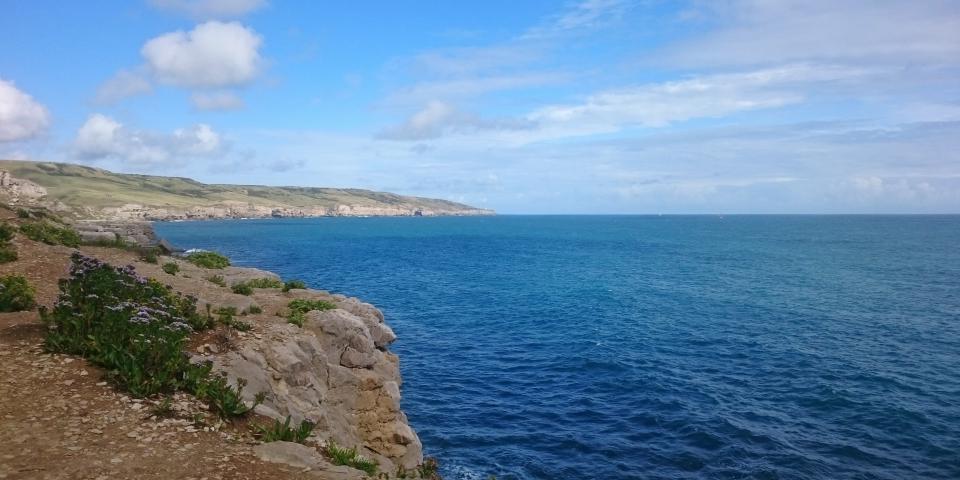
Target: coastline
[(334, 370)]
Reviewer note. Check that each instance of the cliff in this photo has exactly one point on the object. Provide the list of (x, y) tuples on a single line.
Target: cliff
[(333, 369), (82, 192)]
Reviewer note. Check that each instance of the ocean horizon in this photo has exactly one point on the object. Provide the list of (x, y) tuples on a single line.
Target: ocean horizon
[(651, 346)]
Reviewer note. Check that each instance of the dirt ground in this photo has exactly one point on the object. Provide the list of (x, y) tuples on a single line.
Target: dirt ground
[(59, 419)]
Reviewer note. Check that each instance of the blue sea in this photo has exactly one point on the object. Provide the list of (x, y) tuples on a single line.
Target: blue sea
[(633, 347)]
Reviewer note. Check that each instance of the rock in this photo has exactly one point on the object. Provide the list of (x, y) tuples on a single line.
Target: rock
[(302, 456)]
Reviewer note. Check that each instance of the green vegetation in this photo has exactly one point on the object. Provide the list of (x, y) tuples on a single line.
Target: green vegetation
[(163, 409), (300, 307), (217, 280), (228, 316), (117, 242), (136, 329), (78, 185), (208, 260), (283, 432), (50, 233), (265, 282), (294, 285), (16, 295), (8, 252), (171, 268), (150, 255), (23, 213), (242, 288), (254, 310), (350, 458)]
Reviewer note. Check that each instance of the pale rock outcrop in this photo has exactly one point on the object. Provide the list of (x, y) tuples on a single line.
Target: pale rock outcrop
[(307, 458), (19, 190), (335, 371)]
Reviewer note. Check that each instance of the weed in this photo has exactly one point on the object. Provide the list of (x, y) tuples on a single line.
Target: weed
[(163, 409), (208, 260), (150, 256), (7, 232), (282, 432), (171, 268), (217, 280), (254, 310), (265, 282), (227, 316), (50, 234), (242, 289), (8, 253), (350, 458), (23, 213), (224, 398), (297, 318), (304, 306), (294, 285), (16, 295), (429, 469)]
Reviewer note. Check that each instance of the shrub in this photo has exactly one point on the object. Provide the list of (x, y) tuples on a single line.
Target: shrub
[(171, 268), (50, 234), (282, 432), (254, 309), (304, 306), (242, 288), (208, 260), (136, 329), (227, 316), (16, 295), (265, 282), (217, 280), (150, 256), (23, 213), (8, 253), (293, 285), (297, 318), (7, 232), (349, 457)]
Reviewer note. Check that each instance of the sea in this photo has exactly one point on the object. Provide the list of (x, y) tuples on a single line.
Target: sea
[(651, 347)]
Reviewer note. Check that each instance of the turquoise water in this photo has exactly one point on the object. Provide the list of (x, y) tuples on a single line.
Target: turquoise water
[(621, 347)]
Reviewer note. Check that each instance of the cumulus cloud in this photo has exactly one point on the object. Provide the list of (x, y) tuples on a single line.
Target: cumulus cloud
[(124, 84), (438, 118), (204, 9), (216, 101), (102, 137), (213, 54), (21, 117)]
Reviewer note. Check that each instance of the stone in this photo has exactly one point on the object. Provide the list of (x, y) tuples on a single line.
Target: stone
[(306, 458)]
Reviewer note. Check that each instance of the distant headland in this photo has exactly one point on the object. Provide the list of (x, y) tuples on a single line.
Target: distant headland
[(87, 193)]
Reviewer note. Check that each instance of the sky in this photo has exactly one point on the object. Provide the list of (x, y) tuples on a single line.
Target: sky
[(593, 106)]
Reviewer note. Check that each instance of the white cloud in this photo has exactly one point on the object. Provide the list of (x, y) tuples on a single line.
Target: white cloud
[(102, 137), (205, 9), (437, 118), (216, 101), (213, 54), (21, 117), (124, 84), (753, 32)]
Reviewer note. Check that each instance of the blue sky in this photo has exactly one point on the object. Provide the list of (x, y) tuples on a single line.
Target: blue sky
[(598, 106)]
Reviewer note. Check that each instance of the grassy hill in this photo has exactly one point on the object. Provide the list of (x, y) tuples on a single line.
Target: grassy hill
[(98, 189)]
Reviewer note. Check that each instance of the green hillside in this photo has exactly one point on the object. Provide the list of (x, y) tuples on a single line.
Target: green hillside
[(78, 185)]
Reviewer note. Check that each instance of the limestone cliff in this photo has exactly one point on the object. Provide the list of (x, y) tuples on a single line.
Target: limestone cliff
[(82, 192)]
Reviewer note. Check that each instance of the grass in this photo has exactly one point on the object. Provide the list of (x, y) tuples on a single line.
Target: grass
[(254, 309), (150, 255), (300, 307), (242, 288), (136, 329), (217, 280), (265, 282), (283, 432), (209, 260), (350, 458), (96, 188), (294, 285), (50, 233), (8, 252), (228, 316), (16, 295), (170, 268)]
